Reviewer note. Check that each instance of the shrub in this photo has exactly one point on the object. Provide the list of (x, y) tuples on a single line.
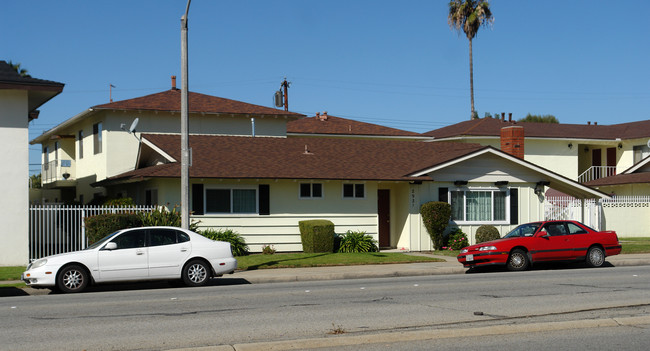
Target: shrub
[(436, 216), (101, 225), (487, 233), (357, 241), (456, 240), (164, 217), (317, 235), (237, 243), (119, 202), (268, 249)]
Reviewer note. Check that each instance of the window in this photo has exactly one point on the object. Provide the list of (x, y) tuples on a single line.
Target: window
[(80, 139), (46, 156), (482, 206), (151, 197), (130, 240), (641, 152), (357, 191), (311, 190), (97, 138), (231, 201), (575, 229), (56, 150)]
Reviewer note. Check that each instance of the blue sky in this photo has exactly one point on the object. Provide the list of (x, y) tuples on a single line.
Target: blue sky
[(386, 62)]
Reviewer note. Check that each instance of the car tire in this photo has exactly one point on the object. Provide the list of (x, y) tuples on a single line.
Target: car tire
[(595, 257), (518, 260), (196, 273), (72, 279)]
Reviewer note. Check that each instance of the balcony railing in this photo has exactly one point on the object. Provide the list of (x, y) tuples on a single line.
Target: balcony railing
[(596, 172), (55, 170)]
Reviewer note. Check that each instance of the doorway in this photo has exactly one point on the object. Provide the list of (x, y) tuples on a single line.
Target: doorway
[(383, 212)]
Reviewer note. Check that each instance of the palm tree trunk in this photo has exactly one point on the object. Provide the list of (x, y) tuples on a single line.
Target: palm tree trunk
[(471, 78)]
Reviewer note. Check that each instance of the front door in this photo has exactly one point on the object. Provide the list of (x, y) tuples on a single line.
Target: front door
[(596, 162), (611, 161), (128, 262), (383, 212)]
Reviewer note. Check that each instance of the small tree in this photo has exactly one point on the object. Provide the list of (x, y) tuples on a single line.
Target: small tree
[(436, 216)]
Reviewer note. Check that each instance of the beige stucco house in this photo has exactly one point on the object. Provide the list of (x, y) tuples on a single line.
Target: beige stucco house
[(19, 98), (260, 171)]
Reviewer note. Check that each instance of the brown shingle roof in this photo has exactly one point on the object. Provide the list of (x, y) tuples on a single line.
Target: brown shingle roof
[(285, 158), (170, 100), (492, 127), (343, 126), (620, 179), (9, 77)]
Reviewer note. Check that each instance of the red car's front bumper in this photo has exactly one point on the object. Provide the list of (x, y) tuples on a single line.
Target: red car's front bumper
[(483, 258)]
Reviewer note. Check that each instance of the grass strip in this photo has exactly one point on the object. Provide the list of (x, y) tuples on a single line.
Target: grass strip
[(295, 260)]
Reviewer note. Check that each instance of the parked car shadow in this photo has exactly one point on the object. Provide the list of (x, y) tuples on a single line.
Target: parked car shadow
[(544, 266), (11, 291)]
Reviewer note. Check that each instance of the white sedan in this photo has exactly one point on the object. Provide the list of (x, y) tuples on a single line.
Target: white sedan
[(135, 254)]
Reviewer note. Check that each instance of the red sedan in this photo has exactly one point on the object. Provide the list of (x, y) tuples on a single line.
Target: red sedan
[(543, 242)]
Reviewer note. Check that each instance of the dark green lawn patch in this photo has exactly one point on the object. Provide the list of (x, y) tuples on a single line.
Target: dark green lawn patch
[(294, 260)]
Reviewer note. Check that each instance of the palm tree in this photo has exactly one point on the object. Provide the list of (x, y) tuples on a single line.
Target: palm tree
[(469, 15), (21, 71)]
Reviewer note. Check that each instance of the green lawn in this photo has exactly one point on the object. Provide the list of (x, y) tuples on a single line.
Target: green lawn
[(292, 260), (635, 245), (11, 273)]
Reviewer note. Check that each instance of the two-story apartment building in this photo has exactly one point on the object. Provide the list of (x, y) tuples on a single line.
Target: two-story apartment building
[(579, 152)]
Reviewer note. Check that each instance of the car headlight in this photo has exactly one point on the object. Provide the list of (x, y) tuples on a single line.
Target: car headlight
[(463, 251), (38, 263), (487, 248)]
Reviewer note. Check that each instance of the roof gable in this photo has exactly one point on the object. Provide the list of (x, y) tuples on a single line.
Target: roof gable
[(491, 127)]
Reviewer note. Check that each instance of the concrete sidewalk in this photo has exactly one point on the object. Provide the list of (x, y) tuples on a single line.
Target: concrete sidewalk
[(449, 266)]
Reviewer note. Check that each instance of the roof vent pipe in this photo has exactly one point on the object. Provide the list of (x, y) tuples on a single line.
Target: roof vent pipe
[(510, 116), (588, 123)]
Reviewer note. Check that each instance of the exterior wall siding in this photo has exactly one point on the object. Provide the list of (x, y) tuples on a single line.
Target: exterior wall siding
[(14, 201)]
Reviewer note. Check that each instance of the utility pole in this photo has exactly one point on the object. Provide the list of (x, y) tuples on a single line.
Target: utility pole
[(185, 152), (285, 85)]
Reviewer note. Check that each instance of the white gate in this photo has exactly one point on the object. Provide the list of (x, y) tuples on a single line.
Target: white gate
[(567, 207), (55, 229)]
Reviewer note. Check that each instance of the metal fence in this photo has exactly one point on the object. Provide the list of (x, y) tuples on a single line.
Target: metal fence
[(55, 229), (566, 207)]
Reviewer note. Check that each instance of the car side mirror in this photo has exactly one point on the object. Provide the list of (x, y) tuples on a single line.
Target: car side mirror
[(110, 246)]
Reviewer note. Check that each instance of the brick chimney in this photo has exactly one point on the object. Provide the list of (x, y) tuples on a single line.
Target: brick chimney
[(173, 82), (512, 141)]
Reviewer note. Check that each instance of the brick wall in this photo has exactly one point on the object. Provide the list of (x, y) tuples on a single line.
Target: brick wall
[(512, 140)]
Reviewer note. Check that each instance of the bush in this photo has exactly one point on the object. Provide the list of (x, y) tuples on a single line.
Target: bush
[(268, 249), (163, 217), (317, 235), (436, 216), (354, 241), (487, 233), (119, 202), (237, 243), (456, 240), (97, 227)]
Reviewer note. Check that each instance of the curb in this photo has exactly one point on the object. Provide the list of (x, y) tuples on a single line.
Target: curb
[(421, 335)]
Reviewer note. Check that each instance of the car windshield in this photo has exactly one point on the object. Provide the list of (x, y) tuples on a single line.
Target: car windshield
[(101, 242), (527, 229)]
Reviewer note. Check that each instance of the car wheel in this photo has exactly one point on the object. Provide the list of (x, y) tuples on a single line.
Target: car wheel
[(595, 257), (196, 273), (72, 279), (518, 261)]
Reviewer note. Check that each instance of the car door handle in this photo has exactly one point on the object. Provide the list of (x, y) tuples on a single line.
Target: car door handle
[(139, 252), (183, 249)]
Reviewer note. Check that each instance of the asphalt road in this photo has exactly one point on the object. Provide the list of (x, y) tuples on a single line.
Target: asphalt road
[(365, 309)]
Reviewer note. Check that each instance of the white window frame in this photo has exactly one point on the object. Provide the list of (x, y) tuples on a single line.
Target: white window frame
[(488, 189), (311, 191), (354, 190), (232, 199)]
